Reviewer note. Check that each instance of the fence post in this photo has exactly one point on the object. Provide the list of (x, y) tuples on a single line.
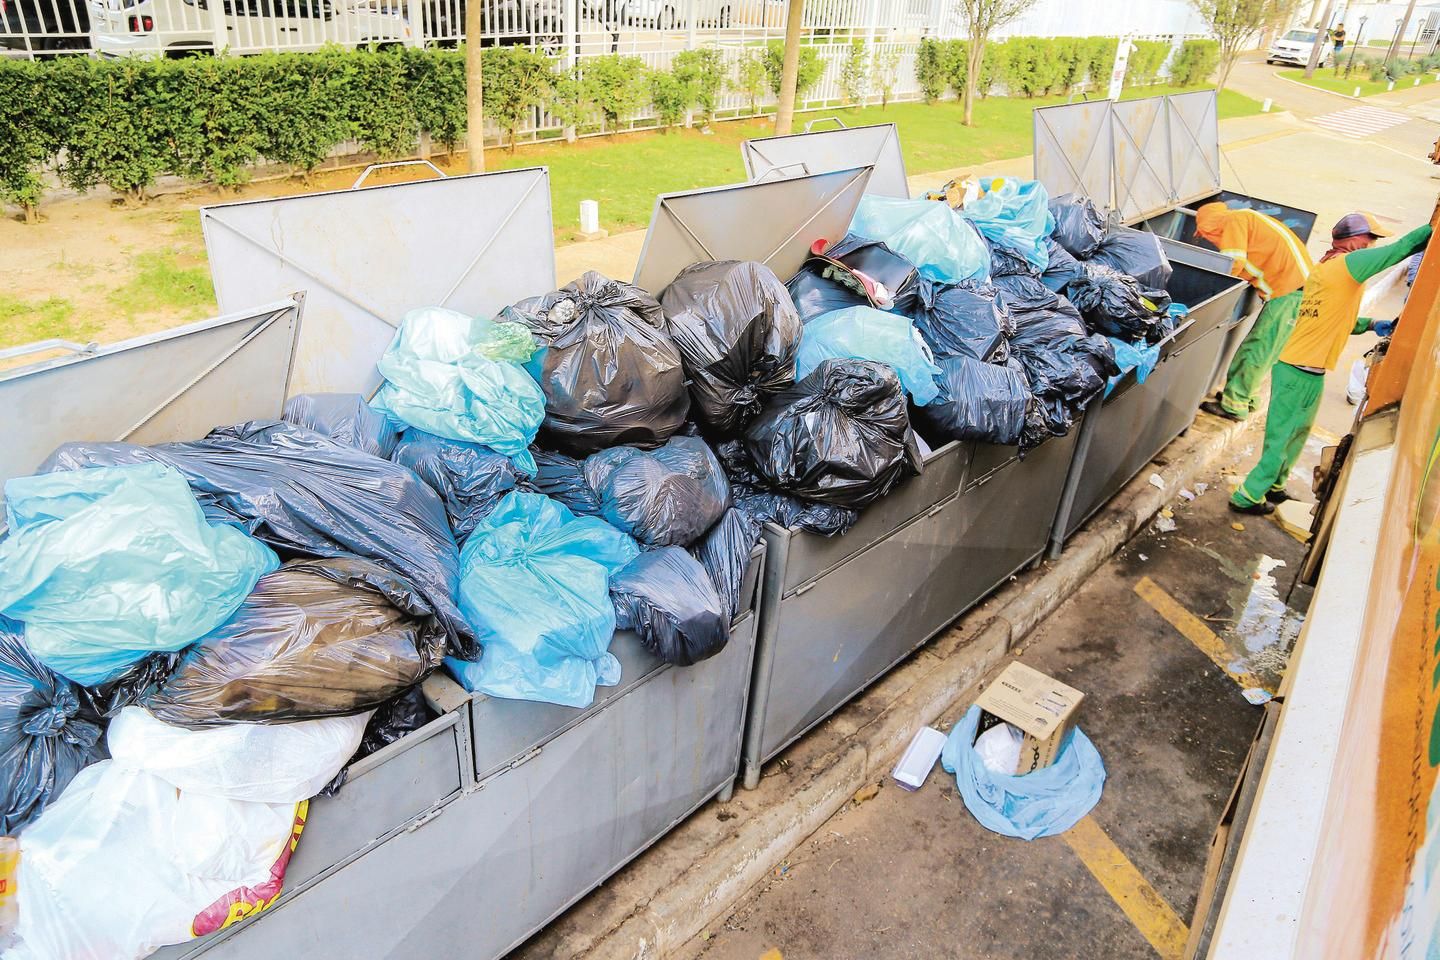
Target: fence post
[(572, 45), (416, 36), (217, 25)]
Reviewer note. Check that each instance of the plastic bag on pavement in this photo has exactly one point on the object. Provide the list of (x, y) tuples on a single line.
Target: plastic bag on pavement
[(45, 739), (1131, 356), (840, 436), (611, 373), (999, 748), (737, 331), (108, 565), (1062, 269), (724, 552), (664, 497), (978, 401), (470, 478), (124, 864), (461, 378), (864, 333), (256, 762), (308, 496), (939, 241), (814, 295), (1079, 226), (535, 584), (667, 598), (1138, 254), (1042, 803), (345, 418), (1013, 214), (1115, 305), (315, 639), (963, 319)]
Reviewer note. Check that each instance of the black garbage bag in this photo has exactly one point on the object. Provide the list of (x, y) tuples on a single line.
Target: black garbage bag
[(46, 736), (345, 418), (309, 497), (316, 638), (759, 503), (883, 278), (667, 598), (840, 436), (1079, 226), (1006, 262), (1138, 254), (963, 319), (1114, 304), (563, 478), (814, 295), (1066, 366), (469, 477), (611, 374), (738, 333), (1020, 293), (978, 401), (724, 552), (1062, 269), (664, 497), (398, 718)]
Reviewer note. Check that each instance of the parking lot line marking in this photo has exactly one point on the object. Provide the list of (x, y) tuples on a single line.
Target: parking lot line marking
[(1132, 893), (1195, 630)]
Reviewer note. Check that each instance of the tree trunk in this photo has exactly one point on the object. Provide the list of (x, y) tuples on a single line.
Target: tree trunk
[(976, 57), (1321, 40), (789, 67), (474, 88), (1227, 63), (32, 212)]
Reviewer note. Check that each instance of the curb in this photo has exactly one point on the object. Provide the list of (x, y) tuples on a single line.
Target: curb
[(1311, 86), (694, 875)]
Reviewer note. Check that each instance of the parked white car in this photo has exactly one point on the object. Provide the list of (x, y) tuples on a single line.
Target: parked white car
[(120, 28), (1295, 48), (676, 14)]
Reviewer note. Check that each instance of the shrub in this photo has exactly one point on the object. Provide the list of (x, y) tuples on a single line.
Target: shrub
[(855, 73), (37, 102), (1099, 56), (1194, 62), (1034, 67), (437, 87), (751, 78), (932, 69), (119, 137), (517, 80), (811, 68), (615, 86), (1070, 61), (1143, 67), (672, 95), (309, 105), (884, 74), (704, 71)]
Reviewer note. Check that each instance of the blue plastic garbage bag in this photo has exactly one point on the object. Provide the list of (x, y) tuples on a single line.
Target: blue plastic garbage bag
[(345, 418), (864, 333), (1015, 214), (462, 378), (940, 242), (1044, 803), (535, 586), (1132, 356), (105, 566)]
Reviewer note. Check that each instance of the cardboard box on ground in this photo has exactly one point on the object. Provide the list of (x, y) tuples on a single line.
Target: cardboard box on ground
[(1042, 708)]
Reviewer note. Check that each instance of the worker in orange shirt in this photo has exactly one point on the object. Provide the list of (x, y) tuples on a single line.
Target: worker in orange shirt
[(1329, 315), (1272, 259)]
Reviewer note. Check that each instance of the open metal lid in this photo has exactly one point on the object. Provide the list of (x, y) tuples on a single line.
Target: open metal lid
[(826, 151), (1073, 150), (774, 222), (175, 385), (1194, 145), (1140, 138), (367, 256)]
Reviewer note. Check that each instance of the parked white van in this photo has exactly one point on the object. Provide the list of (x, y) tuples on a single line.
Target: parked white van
[(121, 28)]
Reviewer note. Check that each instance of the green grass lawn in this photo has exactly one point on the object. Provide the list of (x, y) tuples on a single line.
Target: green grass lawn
[(625, 174), (1326, 80)]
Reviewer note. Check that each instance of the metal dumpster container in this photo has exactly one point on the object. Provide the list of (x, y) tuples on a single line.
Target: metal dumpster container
[(442, 841), (176, 385), (1124, 431)]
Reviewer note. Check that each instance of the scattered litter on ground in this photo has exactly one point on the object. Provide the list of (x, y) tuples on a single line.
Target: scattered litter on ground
[(1157, 481), (1164, 524), (1144, 557), (1256, 696), (1237, 525), (1187, 495), (1201, 487)]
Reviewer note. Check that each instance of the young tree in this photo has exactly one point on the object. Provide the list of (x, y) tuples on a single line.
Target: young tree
[(854, 73), (981, 19), (1235, 23), (885, 73), (704, 71), (751, 78), (519, 79)]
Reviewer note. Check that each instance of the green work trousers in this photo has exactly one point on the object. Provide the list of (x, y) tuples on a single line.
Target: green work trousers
[(1294, 401), (1258, 353)]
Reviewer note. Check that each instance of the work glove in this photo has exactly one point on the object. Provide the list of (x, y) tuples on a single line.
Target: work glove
[(1384, 327)]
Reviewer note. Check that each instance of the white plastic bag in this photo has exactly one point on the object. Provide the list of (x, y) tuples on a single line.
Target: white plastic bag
[(262, 762), (123, 864), (999, 748), (1359, 375)]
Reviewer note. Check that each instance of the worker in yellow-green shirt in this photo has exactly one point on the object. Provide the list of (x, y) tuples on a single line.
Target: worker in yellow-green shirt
[(1268, 256), (1329, 314)]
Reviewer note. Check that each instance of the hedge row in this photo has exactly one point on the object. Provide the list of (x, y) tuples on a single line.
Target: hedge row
[(1038, 66)]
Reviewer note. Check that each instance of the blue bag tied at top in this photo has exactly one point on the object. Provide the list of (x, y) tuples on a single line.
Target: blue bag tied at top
[(864, 333), (109, 564), (1015, 214), (535, 587), (941, 243), (1042, 803)]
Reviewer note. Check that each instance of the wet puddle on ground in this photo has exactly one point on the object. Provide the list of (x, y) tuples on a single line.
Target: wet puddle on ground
[(1263, 629)]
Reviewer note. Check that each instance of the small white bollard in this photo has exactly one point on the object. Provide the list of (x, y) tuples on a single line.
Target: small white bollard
[(1356, 94), (590, 221), (1390, 85), (1416, 83), (1265, 107)]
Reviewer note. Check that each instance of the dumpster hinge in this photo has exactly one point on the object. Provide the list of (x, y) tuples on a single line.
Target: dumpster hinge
[(520, 761), (423, 819)]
